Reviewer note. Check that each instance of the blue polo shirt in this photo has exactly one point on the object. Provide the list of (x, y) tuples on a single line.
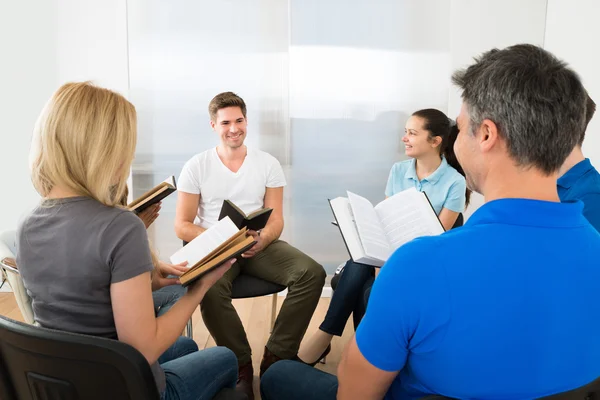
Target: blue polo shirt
[(582, 182), (445, 187), (505, 307)]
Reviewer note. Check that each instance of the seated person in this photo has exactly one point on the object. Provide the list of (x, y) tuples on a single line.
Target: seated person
[(578, 179), (428, 139), (251, 179), (85, 261), (504, 307)]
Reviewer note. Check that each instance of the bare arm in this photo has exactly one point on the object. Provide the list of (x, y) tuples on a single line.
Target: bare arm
[(187, 207), (448, 218), (133, 311), (358, 379), (273, 229)]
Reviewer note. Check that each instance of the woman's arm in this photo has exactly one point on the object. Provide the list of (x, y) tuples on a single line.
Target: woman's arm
[(448, 218), (135, 321)]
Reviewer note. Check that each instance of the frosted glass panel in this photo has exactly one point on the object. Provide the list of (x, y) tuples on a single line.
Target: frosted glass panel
[(358, 70), (181, 54), (329, 85)]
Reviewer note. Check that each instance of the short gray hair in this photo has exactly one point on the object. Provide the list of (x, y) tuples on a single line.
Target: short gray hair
[(536, 101)]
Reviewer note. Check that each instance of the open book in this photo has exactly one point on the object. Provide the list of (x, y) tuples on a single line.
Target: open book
[(372, 234), (153, 196), (219, 243), (254, 221)]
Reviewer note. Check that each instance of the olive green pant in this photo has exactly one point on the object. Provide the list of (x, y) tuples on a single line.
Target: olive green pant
[(278, 263)]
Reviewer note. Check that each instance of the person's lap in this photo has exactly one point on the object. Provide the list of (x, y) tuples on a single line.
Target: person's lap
[(198, 375), (292, 380)]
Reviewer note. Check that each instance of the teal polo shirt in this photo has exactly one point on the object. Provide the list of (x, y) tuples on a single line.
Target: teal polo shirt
[(582, 182), (445, 187)]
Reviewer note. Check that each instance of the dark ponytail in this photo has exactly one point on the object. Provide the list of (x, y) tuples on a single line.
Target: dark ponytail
[(438, 124)]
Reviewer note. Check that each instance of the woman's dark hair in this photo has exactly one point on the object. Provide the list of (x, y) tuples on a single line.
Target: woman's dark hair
[(438, 124)]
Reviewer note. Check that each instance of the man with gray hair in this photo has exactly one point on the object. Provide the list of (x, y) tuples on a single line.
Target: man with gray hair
[(513, 315)]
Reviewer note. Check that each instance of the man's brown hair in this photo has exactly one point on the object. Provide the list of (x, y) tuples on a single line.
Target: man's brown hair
[(224, 100)]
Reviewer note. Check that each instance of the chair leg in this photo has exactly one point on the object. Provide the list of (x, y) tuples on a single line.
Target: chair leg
[(189, 329), (273, 311)]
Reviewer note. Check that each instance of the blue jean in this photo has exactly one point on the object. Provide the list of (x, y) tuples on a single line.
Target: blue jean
[(197, 375), (350, 297), (166, 297), (292, 380)]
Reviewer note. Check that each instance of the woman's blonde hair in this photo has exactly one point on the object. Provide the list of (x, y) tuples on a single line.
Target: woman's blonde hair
[(85, 140)]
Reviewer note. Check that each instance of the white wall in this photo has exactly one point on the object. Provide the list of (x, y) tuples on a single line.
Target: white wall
[(480, 25), (45, 44), (572, 33)]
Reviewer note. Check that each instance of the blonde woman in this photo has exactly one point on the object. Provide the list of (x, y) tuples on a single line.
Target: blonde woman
[(86, 261)]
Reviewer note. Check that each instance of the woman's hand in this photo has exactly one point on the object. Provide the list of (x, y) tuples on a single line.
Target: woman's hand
[(150, 214), (163, 270)]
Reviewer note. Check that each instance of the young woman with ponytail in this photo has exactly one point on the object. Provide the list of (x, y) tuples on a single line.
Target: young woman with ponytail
[(428, 139)]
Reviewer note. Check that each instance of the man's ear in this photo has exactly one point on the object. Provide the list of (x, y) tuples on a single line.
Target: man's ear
[(212, 124), (488, 135)]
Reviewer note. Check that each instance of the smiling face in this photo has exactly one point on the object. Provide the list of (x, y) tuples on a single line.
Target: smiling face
[(416, 139), (230, 124)]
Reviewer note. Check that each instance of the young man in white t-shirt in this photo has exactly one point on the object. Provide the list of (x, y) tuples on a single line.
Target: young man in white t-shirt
[(251, 179)]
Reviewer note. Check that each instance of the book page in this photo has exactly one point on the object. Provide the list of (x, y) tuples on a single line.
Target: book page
[(406, 216), (372, 236), (206, 242)]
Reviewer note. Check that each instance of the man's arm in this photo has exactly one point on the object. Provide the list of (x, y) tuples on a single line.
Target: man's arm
[(187, 207), (274, 227), (358, 379)]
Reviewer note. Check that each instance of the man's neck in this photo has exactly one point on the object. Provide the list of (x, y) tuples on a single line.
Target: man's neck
[(573, 159), (516, 182), (227, 153), (427, 165)]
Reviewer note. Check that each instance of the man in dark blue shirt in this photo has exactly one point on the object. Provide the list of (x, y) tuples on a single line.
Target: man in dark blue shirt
[(579, 180), (497, 308)]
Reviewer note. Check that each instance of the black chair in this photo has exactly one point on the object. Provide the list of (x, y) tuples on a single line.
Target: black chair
[(45, 364)]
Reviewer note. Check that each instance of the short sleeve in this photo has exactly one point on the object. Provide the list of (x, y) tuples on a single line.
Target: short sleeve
[(125, 248), (189, 179), (591, 209), (275, 177), (407, 303), (389, 188), (456, 198)]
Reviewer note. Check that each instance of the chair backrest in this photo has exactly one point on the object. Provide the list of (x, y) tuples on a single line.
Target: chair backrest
[(588, 392), (43, 364), (8, 250)]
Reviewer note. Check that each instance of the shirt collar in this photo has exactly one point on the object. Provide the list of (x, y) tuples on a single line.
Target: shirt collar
[(527, 212), (411, 172), (573, 175)]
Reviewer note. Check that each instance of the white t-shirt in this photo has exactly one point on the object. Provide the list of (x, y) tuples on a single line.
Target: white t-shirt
[(206, 175)]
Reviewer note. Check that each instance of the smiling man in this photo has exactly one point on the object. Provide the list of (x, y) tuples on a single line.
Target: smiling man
[(504, 307), (251, 179)]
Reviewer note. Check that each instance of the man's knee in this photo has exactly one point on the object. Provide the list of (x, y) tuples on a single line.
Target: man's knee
[(313, 272), (218, 293)]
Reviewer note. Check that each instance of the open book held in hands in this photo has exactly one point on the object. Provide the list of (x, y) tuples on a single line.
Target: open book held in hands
[(216, 245), (372, 234), (254, 221), (153, 196)]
